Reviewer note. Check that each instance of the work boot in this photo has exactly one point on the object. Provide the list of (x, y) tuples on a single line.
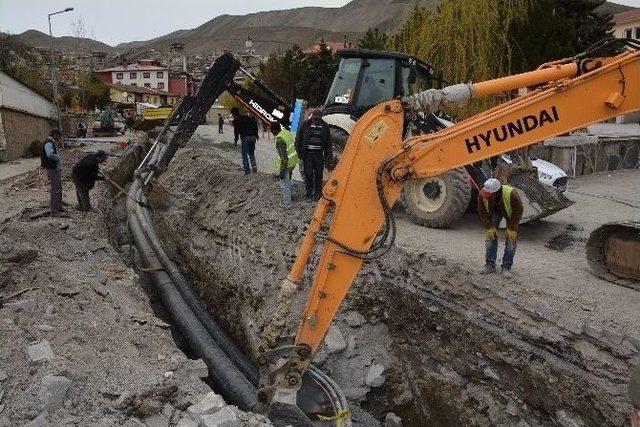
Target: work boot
[(488, 269), (506, 273), (254, 170)]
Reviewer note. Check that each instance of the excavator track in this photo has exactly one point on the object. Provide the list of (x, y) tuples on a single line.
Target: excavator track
[(613, 253)]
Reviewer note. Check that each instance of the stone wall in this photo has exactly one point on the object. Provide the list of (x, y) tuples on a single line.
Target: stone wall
[(17, 132)]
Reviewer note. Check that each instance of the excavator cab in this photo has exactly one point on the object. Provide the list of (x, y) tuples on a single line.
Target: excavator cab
[(366, 78)]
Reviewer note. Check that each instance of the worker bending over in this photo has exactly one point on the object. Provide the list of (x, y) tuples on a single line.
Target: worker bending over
[(313, 145), (497, 201), (85, 173), (285, 162)]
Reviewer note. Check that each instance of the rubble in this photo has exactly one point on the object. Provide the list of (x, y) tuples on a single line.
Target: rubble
[(392, 420), (209, 405), (40, 352), (54, 391), (334, 340), (375, 375)]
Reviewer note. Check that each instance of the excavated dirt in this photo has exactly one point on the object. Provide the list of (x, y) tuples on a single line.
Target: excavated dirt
[(455, 351)]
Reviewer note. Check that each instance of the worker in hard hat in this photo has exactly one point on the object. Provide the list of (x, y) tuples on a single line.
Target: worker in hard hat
[(495, 202)]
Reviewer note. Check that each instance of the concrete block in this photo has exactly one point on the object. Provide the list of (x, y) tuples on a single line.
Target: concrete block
[(335, 340), (392, 420), (355, 319), (54, 391), (375, 375), (210, 404), (186, 422), (225, 417), (40, 352)]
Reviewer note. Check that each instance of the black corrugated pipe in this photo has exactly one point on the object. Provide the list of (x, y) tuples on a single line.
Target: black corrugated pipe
[(231, 383), (217, 333)]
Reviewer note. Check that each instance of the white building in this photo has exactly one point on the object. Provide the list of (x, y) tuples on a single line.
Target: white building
[(627, 25), (144, 73)]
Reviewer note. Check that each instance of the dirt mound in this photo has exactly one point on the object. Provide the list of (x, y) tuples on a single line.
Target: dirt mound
[(417, 336)]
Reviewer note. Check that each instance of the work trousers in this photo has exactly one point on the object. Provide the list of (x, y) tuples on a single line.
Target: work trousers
[(248, 148), (220, 128), (491, 247), (313, 169), (55, 195), (82, 194), (286, 185)]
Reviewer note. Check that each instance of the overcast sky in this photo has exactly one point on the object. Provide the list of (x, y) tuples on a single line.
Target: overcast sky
[(116, 21)]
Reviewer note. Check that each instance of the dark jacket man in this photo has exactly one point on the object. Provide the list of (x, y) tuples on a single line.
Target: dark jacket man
[(313, 145), (246, 128), (50, 162), (85, 173)]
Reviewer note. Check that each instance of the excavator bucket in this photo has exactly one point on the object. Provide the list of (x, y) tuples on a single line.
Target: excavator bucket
[(539, 200), (613, 253)]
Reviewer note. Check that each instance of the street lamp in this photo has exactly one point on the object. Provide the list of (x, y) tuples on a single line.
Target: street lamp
[(54, 79)]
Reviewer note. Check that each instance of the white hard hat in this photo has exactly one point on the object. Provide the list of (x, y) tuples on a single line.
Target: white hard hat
[(491, 186)]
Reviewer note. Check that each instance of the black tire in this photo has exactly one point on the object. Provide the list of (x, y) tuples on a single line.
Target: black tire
[(437, 202)]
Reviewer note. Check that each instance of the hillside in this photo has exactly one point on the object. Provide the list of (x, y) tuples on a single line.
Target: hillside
[(270, 30), (39, 39)]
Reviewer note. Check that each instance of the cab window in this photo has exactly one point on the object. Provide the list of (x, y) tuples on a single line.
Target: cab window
[(378, 80), (344, 83), (423, 81)]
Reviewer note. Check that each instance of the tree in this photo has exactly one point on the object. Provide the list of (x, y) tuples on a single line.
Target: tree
[(374, 39), (94, 90), (319, 71)]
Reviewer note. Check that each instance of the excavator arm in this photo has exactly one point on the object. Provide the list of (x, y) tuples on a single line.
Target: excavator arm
[(365, 185)]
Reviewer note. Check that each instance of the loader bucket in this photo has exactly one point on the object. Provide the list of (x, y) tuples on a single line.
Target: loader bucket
[(613, 253), (539, 200)]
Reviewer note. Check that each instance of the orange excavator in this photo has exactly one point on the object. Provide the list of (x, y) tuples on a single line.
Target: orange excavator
[(564, 95)]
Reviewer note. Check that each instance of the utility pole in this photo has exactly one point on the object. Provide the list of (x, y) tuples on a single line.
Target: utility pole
[(54, 77)]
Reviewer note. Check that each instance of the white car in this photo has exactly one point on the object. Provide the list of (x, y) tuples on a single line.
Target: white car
[(548, 173)]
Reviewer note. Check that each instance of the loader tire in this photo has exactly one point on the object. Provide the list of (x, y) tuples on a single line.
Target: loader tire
[(437, 202)]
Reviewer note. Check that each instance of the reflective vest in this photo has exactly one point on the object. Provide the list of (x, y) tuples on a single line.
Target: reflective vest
[(506, 199), (292, 161)]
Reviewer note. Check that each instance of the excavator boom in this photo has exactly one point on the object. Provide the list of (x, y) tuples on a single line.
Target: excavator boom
[(377, 161)]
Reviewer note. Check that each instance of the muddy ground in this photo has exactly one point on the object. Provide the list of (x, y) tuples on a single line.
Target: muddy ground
[(456, 348), (83, 338)]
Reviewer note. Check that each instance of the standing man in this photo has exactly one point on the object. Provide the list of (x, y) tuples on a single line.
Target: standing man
[(286, 161), (246, 128), (220, 123), (50, 161), (313, 145), (85, 173), (497, 201)]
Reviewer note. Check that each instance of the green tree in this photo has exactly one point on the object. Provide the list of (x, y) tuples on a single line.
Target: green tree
[(374, 39), (94, 91), (319, 70)]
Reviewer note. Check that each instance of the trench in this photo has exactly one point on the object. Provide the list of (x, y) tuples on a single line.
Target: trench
[(455, 352), (231, 373)]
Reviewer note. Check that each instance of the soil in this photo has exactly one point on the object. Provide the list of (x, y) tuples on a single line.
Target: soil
[(457, 348)]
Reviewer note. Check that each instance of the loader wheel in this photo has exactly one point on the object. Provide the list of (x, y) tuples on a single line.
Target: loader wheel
[(438, 202)]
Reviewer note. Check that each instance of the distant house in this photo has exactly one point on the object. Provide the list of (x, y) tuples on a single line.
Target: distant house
[(144, 73), (627, 25), (129, 94), (182, 84), (333, 46), (25, 116)]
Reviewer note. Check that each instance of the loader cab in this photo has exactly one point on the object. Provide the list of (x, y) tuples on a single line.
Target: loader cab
[(366, 78)]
